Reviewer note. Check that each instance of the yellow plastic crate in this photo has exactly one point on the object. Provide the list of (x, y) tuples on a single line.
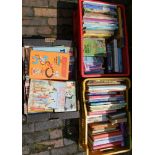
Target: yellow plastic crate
[(84, 122)]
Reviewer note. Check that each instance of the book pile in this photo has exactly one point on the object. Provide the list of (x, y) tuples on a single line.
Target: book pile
[(107, 116), (103, 38), (44, 70)]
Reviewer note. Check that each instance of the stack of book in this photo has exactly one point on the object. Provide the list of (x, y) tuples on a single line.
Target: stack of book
[(107, 117), (103, 38), (44, 70)]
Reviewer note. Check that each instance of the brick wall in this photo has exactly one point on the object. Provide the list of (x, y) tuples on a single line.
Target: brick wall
[(48, 137), (48, 18)]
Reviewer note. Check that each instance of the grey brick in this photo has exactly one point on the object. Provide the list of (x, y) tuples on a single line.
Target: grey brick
[(56, 133), (34, 21), (53, 3), (68, 150), (80, 153), (68, 141), (38, 117), (28, 128), (51, 124), (25, 150), (44, 30), (29, 31), (55, 143), (36, 3), (42, 153), (35, 137), (27, 12)]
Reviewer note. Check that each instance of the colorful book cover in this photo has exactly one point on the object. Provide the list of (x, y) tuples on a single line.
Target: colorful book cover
[(93, 64), (46, 95), (68, 97), (49, 65), (94, 47)]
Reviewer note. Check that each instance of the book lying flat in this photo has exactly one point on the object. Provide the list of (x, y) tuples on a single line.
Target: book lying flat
[(101, 126), (107, 107), (117, 115), (49, 65), (119, 120), (97, 118), (100, 97), (106, 88), (100, 112), (48, 95), (105, 135), (103, 82), (61, 49), (106, 130), (105, 103), (106, 140), (106, 145)]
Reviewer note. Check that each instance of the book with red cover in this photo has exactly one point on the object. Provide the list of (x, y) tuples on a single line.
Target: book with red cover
[(101, 125), (105, 135)]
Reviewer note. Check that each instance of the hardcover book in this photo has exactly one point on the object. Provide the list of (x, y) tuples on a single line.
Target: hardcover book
[(49, 65)]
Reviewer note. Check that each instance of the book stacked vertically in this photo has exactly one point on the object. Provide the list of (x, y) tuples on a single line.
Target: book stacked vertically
[(103, 40), (49, 75), (107, 119)]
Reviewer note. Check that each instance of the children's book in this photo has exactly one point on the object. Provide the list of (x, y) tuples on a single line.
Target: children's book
[(49, 65), (94, 47), (46, 95), (68, 97)]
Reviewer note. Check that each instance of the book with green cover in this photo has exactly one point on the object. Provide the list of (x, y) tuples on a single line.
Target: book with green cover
[(94, 47)]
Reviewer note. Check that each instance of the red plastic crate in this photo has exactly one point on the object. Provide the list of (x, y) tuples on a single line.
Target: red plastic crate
[(78, 35)]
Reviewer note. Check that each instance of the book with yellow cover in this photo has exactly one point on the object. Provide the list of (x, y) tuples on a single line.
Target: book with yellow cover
[(49, 65)]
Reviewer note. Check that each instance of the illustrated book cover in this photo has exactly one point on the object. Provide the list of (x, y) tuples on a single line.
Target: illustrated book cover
[(47, 95), (49, 65)]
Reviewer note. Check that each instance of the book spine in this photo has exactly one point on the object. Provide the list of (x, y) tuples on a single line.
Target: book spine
[(116, 66)]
